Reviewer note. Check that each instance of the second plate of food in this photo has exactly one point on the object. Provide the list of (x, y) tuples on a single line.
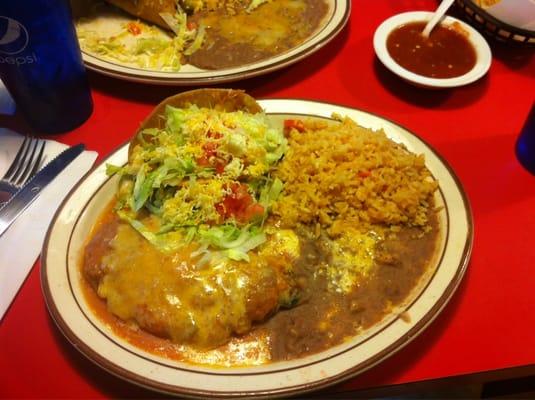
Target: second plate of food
[(237, 248), (202, 42)]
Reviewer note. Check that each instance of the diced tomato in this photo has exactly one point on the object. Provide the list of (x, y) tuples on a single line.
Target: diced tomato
[(239, 204), (210, 157), (220, 208), (364, 174), (253, 211), (191, 25), (290, 124), (133, 28), (214, 135), (203, 161), (210, 148), (220, 166)]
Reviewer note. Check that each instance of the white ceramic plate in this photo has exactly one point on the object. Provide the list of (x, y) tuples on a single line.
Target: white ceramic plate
[(335, 19), (483, 53), (60, 279)]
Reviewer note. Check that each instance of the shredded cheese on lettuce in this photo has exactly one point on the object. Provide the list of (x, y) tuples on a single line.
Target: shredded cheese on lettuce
[(203, 178)]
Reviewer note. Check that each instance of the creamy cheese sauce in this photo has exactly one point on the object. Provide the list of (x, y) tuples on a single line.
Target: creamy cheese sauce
[(171, 295), (343, 287), (247, 350)]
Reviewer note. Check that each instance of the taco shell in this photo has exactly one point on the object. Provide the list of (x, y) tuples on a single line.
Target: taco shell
[(219, 99), (148, 10)]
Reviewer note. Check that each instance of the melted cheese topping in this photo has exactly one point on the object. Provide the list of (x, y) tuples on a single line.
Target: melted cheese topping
[(169, 295), (353, 257), (268, 27)]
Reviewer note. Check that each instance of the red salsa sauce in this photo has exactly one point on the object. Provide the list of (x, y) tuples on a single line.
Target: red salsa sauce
[(446, 53)]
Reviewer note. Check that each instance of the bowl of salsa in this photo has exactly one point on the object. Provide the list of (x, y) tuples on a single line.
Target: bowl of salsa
[(454, 54)]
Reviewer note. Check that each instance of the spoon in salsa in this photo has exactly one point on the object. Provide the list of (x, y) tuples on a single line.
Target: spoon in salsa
[(437, 16)]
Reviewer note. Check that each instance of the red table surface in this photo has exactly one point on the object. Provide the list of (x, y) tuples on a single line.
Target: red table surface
[(488, 324)]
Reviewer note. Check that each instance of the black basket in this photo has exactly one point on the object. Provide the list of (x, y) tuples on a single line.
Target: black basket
[(499, 30)]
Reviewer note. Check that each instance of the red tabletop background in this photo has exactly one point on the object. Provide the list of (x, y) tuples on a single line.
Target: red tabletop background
[(489, 323)]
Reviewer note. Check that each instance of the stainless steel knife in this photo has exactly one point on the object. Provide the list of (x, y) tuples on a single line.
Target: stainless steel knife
[(29, 192)]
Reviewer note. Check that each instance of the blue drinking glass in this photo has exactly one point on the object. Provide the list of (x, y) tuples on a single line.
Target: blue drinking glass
[(41, 64), (525, 144)]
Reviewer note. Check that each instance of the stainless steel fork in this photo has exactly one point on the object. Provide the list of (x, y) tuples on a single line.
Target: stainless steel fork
[(23, 167)]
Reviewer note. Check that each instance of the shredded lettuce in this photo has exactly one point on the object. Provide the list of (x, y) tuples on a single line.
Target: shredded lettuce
[(177, 22), (254, 4), (166, 242), (217, 242), (197, 42), (174, 119), (151, 48), (113, 169), (142, 188), (150, 45), (270, 193), (173, 192), (234, 243)]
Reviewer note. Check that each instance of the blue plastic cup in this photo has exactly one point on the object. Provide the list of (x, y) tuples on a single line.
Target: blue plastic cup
[(41, 64), (525, 145)]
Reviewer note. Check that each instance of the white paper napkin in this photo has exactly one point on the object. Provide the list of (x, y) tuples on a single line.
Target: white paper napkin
[(21, 244)]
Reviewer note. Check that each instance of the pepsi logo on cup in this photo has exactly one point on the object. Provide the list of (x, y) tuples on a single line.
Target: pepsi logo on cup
[(13, 36), (41, 64)]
